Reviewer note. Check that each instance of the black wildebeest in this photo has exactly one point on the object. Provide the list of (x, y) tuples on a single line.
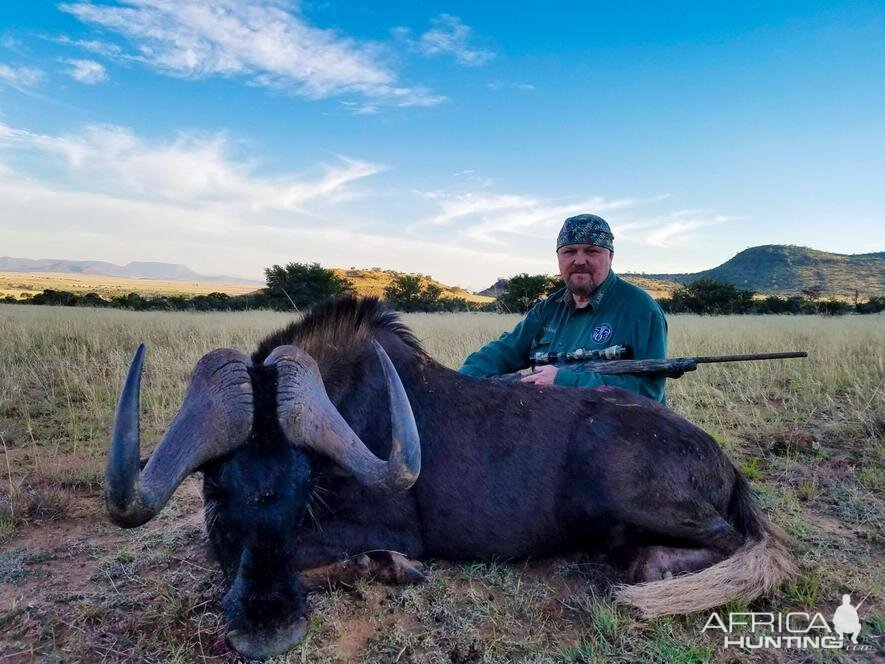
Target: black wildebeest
[(507, 470)]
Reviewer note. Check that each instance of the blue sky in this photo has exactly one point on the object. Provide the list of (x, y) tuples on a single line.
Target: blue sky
[(443, 138)]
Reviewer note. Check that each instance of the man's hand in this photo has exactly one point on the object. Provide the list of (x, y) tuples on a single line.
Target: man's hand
[(542, 375)]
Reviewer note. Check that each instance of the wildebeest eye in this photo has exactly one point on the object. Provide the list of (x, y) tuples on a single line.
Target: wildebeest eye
[(214, 492)]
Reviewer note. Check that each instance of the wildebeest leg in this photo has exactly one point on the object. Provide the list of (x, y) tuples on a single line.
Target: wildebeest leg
[(385, 566), (654, 563), (695, 521)]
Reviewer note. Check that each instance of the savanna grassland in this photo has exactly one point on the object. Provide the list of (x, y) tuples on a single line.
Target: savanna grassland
[(23, 284), (808, 434)]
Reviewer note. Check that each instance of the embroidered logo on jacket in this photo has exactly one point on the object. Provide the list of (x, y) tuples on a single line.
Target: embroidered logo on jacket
[(602, 333)]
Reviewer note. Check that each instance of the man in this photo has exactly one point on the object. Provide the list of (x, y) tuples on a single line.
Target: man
[(595, 309)]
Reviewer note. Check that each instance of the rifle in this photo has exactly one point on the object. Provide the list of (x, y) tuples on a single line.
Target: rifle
[(612, 361)]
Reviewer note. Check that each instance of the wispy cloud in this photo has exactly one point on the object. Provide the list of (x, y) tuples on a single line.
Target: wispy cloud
[(671, 229), (20, 77), (89, 72), (493, 218), (10, 42), (502, 85), (116, 196), (186, 170), (96, 46), (449, 36), (268, 43)]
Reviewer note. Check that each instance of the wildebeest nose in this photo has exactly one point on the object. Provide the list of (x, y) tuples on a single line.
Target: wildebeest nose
[(262, 497)]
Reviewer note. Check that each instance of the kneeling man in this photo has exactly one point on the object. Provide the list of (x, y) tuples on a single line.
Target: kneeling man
[(595, 309)]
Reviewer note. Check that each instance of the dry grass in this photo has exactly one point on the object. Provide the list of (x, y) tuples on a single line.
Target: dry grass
[(18, 284), (808, 434)]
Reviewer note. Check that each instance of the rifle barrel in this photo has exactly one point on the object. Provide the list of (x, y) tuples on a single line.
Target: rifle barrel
[(749, 357)]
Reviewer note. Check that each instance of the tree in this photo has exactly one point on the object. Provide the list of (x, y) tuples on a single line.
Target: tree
[(813, 292), (707, 296), (407, 293), (300, 285), (524, 291)]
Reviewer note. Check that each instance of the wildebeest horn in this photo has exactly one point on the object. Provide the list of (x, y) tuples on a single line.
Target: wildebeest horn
[(308, 417), (215, 418)]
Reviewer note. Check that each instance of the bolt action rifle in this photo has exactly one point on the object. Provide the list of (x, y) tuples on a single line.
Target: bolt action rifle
[(615, 360)]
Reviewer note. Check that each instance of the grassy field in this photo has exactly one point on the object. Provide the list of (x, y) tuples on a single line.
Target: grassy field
[(808, 434), (20, 284)]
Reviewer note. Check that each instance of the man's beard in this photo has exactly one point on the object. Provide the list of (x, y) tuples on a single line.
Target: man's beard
[(582, 290)]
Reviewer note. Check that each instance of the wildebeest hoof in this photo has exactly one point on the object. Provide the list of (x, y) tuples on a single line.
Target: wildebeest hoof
[(393, 567), (384, 566)]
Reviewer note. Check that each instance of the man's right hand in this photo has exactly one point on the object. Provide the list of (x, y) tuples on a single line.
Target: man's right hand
[(542, 375)]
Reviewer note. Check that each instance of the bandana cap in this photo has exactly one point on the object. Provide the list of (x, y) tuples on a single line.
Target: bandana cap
[(586, 229)]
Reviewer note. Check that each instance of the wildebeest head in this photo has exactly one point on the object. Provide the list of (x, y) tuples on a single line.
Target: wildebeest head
[(253, 432)]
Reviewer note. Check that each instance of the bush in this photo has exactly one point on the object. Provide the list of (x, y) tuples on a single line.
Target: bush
[(57, 298), (706, 296), (524, 291), (299, 285), (873, 306), (779, 305), (407, 293)]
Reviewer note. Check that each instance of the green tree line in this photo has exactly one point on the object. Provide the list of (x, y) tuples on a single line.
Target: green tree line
[(296, 286)]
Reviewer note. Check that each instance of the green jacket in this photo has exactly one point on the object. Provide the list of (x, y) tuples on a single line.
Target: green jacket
[(618, 313)]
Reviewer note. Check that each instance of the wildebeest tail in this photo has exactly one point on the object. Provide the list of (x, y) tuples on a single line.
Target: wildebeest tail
[(756, 568)]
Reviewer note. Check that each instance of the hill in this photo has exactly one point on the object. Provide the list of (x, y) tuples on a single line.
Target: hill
[(787, 269), (374, 281), (133, 270), (21, 277)]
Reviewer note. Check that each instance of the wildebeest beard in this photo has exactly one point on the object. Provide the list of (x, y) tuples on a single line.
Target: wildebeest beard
[(510, 471)]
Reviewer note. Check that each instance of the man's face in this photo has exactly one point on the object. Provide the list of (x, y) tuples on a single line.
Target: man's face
[(583, 267)]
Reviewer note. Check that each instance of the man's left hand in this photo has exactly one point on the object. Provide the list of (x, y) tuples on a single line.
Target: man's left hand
[(542, 375)]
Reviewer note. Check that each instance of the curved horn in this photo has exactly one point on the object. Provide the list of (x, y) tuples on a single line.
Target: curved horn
[(215, 417), (308, 417)]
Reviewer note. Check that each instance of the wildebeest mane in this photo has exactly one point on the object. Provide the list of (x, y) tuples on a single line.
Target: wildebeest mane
[(339, 326)]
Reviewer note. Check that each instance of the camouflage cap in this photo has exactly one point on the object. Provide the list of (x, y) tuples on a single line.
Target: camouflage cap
[(586, 229)]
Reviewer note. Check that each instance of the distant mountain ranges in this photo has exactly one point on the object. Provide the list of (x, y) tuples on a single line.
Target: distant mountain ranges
[(134, 270), (769, 269)]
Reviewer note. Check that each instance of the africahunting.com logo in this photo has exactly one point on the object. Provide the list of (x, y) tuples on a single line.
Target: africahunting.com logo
[(796, 630)]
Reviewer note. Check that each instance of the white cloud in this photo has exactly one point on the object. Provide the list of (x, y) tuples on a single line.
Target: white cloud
[(20, 77), (104, 192), (10, 42), (502, 85), (269, 43), (490, 218), (89, 72), (186, 170), (108, 49), (672, 229), (449, 36)]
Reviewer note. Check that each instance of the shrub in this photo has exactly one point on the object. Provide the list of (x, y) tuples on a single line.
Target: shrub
[(524, 291), (707, 296), (301, 285)]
